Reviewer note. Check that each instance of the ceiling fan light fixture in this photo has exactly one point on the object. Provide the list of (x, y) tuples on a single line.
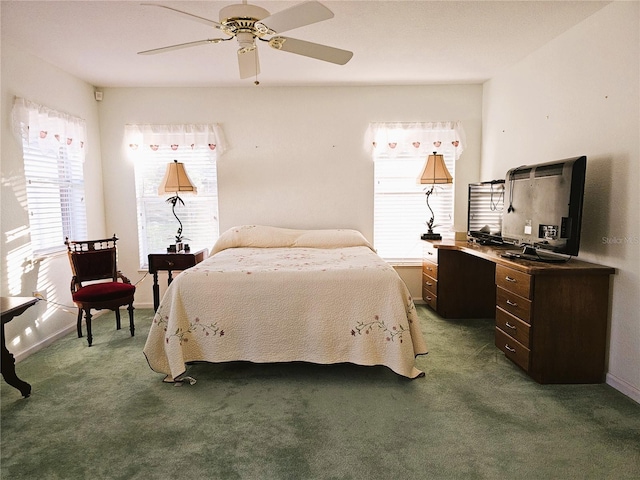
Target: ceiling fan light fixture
[(246, 41)]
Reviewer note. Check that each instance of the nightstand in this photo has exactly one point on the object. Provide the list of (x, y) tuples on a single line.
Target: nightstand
[(169, 262)]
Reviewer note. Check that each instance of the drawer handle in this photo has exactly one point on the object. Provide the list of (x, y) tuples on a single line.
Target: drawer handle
[(513, 304), (429, 284), (509, 279), (508, 325), (170, 264), (430, 269), (429, 298), (512, 350)]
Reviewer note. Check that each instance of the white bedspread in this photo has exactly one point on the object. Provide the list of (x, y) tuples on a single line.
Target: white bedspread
[(334, 302)]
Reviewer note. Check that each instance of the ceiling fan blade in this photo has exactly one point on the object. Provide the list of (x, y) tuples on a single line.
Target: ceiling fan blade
[(294, 17), (190, 16), (248, 63), (153, 51), (313, 50)]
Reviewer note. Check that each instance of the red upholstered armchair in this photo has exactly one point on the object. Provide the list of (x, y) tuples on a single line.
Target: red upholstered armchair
[(95, 282)]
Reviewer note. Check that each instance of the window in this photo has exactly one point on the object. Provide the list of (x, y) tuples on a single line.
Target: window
[(400, 208), (157, 227), (53, 151)]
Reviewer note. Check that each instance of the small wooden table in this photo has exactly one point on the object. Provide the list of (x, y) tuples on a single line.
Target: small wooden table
[(12, 307), (170, 262)]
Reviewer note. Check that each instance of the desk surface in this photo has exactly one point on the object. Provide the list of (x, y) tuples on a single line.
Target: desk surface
[(492, 254)]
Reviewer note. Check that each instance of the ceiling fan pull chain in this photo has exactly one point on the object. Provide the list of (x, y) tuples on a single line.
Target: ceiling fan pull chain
[(256, 83)]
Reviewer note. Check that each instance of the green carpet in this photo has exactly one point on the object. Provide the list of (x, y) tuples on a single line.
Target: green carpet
[(101, 413)]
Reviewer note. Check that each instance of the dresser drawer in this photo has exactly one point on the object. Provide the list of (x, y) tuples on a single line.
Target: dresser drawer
[(430, 253), (513, 326), (430, 298), (514, 304), (430, 284), (512, 349), (430, 269), (517, 282), (173, 261)]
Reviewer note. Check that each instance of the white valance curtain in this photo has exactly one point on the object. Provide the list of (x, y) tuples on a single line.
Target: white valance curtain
[(176, 136), (417, 138), (47, 128)]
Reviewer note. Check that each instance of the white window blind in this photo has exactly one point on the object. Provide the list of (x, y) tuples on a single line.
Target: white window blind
[(157, 226), (400, 208), (486, 203), (53, 153)]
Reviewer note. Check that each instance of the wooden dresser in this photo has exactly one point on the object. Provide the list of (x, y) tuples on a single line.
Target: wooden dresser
[(551, 319)]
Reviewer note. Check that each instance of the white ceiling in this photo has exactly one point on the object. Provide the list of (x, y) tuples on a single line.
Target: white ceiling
[(394, 42)]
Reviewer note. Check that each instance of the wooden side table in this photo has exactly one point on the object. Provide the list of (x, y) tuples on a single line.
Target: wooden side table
[(12, 307), (169, 262)]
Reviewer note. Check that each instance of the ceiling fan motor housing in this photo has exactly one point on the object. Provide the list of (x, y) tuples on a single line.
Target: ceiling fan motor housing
[(242, 12), (239, 21)]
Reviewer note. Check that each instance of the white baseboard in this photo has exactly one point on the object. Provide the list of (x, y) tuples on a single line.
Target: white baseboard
[(56, 336), (45, 342), (623, 387)]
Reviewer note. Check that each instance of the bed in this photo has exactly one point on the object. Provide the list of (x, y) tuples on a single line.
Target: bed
[(269, 294)]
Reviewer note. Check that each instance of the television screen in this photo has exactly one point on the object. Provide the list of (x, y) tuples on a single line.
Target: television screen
[(543, 206), (484, 212)]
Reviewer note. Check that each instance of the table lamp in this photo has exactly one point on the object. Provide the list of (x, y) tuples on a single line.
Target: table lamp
[(176, 181), (434, 172)]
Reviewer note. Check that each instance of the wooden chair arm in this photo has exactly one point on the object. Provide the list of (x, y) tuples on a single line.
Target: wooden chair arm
[(74, 284), (123, 278)]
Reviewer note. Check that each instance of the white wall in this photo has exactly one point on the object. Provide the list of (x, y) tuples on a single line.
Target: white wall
[(296, 156), (579, 95), (26, 76)]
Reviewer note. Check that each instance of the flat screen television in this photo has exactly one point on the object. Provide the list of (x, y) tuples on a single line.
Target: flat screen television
[(543, 208), (484, 212)]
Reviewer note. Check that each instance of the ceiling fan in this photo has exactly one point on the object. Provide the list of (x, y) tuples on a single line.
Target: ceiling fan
[(248, 23)]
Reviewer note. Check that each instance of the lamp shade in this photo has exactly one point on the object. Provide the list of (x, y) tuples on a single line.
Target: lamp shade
[(176, 180), (435, 171)]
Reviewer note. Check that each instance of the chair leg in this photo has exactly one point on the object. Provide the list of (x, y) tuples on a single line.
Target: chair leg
[(88, 319), (118, 326), (132, 328), (79, 326)]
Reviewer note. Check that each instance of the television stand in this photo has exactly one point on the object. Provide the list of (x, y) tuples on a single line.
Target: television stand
[(551, 318)]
